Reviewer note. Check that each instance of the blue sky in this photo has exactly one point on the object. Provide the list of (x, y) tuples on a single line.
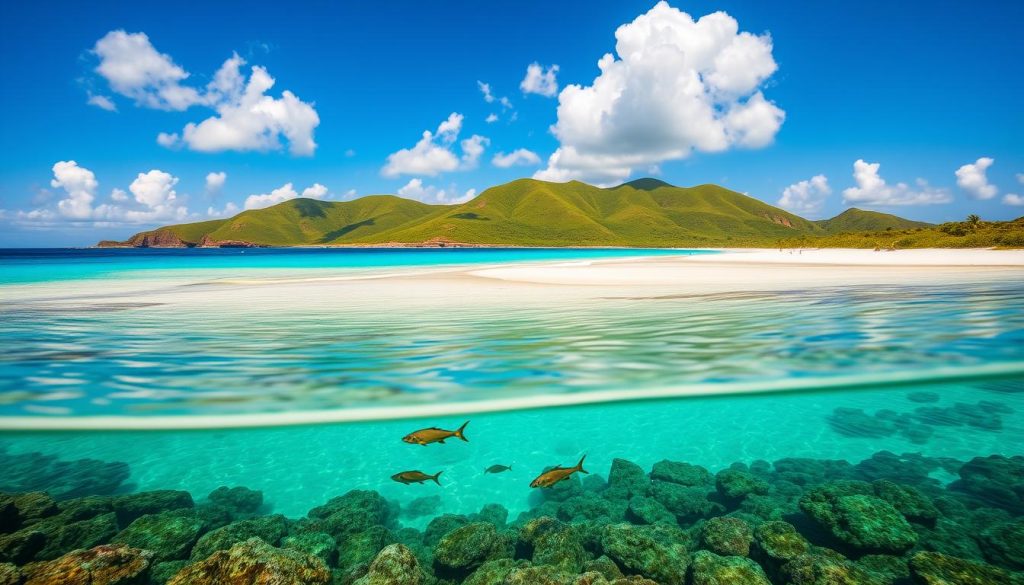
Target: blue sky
[(791, 97)]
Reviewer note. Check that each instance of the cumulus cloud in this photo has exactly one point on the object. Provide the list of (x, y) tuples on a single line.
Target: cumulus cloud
[(806, 197), (539, 80), (152, 198), (433, 153), (215, 182), (872, 189), (518, 157), (315, 191), (102, 102), (491, 118), (1013, 199), (485, 88), (972, 179), (246, 118), (416, 189), (674, 85)]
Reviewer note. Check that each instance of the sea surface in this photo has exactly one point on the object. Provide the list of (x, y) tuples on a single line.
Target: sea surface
[(201, 367)]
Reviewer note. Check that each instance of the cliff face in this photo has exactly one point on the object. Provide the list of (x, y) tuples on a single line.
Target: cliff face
[(153, 239)]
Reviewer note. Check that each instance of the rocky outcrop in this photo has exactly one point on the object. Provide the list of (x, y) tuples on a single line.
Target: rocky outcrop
[(207, 242)]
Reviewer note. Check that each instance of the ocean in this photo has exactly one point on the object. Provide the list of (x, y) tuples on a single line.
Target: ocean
[(296, 373)]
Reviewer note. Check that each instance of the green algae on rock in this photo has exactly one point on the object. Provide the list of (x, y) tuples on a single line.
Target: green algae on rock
[(938, 569), (108, 564), (655, 552), (711, 569), (254, 561), (727, 536)]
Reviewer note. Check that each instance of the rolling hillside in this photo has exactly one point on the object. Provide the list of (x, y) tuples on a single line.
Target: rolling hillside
[(526, 212), (859, 220)]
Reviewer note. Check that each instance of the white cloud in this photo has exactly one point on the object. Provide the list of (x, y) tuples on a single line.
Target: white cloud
[(872, 189), (153, 199), (229, 210), (972, 179), (472, 148), (676, 85), (101, 101), (136, 70), (539, 80), (415, 189), (315, 191), (215, 182), (491, 118), (246, 118), (1013, 199), (806, 197), (80, 184), (521, 157), (1020, 178), (485, 88), (252, 120), (279, 195), (433, 153)]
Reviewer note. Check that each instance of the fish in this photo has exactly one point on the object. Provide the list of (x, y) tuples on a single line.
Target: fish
[(408, 477), (435, 435), (556, 474), (498, 468)]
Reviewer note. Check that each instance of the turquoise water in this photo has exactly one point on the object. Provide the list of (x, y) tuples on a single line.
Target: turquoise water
[(229, 358)]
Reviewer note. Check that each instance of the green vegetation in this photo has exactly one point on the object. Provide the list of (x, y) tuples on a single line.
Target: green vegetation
[(527, 212), (973, 233)]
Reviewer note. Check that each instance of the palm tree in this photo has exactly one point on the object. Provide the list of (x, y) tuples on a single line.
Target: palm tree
[(974, 220)]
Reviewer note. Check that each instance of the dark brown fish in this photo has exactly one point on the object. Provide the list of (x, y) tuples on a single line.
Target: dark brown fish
[(557, 474), (498, 468), (408, 477), (434, 435)]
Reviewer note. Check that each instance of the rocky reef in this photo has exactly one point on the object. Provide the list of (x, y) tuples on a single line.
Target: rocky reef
[(881, 521)]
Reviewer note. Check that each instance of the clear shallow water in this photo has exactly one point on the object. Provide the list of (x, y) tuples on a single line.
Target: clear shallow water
[(185, 336)]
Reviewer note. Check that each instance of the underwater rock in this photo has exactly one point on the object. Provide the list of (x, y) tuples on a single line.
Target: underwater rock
[(9, 574), (779, 541), (318, 544), (803, 471), (938, 569), (442, 525), (240, 501), (825, 567), (494, 513), (24, 509), (850, 511), (561, 491), (734, 485), (908, 468), (29, 472), (554, 543), (1003, 544), (594, 483), (253, 561), (494, 572), (422, 506), (645, 510), (170, 535), (687, 503), (22, 546), (995, 479), (854, 422), (886, 568), (772, 507), (681, 473), (354, 512), (950, 538), (468, 547), (541, 575), (361, 548), (922, 397), (625, 480), (656, 552), (591, 507), (603, 566), (908, 501), (108, 564), (270, 529), (132, 506), (395, 564), (64, 536), (727, 536), (161, 573), (711, 569)]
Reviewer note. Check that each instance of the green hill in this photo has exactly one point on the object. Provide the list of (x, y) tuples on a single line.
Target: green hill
[(526, 212), (859, 220)]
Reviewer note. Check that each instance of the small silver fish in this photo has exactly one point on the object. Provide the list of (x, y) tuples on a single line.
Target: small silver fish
[(498, 469)]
